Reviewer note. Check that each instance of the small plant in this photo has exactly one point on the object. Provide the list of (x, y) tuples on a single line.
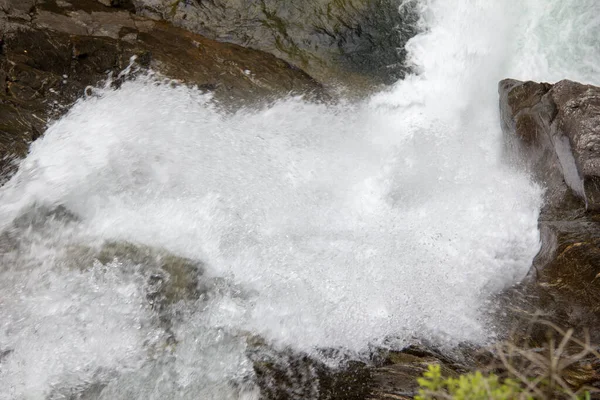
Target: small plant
[(560, 370), (471, 386)]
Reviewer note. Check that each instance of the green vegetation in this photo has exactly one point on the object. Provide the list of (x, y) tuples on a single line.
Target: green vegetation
[(471, 386), (477, 386), (562, 369)]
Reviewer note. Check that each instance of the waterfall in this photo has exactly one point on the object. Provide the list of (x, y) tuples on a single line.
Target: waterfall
[(346, 226)]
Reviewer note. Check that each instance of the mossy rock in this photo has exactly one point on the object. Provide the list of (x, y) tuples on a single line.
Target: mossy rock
[(169, 278)]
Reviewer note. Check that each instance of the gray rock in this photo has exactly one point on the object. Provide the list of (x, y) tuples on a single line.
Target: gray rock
[(577, 129), (558, 127), (353, 42), (42, 42), (556, 131)]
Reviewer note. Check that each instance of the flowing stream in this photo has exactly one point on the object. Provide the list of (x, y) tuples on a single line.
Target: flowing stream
[(348, 226)]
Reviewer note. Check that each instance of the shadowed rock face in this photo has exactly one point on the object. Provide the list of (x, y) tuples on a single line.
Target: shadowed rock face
[(558, 125), (50, 51), (355, 42), (556, 130), (579, 120)]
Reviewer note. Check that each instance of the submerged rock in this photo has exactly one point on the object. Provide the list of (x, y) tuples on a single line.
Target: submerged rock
[(170, 278), (177, 289), (556, 130), (51, 51)]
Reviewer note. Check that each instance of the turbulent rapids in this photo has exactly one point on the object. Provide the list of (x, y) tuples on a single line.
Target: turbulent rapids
[(306, 226)]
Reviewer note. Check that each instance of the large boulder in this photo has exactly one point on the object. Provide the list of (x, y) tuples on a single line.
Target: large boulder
[(559, 125), (354, 42), (556, 130), (50, 51)]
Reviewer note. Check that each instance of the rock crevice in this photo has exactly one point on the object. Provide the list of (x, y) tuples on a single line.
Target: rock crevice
[(557, 129)]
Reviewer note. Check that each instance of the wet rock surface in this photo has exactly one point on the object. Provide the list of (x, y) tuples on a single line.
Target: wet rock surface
[(50, 51), (386, 375), (356, 42), (555, 128), (169, 278), (557, 125), (284, 374)]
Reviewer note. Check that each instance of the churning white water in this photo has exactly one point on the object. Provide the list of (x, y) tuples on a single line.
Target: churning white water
[(344, 226)]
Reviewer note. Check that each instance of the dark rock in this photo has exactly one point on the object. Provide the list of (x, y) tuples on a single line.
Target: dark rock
[(559, 128), (169, 279), (397, 378), (556, 130), (125, 4), (395, 373), (52, 50), (285, 374), (36, 216), (354, 42), (578, 124), (4, 354), (290, 375)]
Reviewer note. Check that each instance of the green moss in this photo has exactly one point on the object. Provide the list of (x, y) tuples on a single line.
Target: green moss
[(174, 7), (403, 358)]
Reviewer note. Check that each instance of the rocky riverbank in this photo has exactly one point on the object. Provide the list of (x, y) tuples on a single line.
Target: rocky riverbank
[(555, 129), (50, 51)]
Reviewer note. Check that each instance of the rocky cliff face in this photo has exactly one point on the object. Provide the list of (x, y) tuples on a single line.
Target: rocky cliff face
[(556, 130), (356, 42), (50, 51)]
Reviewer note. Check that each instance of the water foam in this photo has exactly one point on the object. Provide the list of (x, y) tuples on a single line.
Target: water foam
[(344, 226)]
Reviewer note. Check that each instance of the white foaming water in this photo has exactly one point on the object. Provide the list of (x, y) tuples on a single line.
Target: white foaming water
[(328, 226)]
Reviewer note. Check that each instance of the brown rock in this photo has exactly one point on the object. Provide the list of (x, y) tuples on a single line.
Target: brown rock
[(558, 127), (354, 42), (578, 124), (285, 374), (51, 51), (556, 130)]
